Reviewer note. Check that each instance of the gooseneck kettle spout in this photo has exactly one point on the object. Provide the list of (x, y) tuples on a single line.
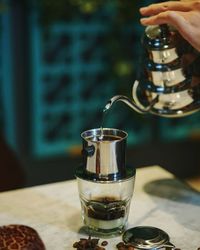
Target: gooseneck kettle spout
[(125, 100), (133, 104)]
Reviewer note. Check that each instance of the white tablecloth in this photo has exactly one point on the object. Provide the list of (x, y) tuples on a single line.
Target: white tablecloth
[(159, 200)]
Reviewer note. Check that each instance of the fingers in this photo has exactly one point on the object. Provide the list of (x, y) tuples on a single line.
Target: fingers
[(155, 9), (170, 17), (175, 18), (184, 16)]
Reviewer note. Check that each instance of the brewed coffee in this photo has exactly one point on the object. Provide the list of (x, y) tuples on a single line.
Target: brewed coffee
[(105, 213), (106, 208)]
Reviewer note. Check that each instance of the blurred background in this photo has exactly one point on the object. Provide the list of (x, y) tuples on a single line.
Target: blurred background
[(60, 62)]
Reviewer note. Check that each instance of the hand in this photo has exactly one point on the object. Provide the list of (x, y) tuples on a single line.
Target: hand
[(184, 16)]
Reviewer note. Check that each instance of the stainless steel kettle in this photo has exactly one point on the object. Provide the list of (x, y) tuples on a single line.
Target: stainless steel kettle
[(169, 82)]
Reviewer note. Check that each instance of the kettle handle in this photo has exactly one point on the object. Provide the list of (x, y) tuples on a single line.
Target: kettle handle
[(136, 100)]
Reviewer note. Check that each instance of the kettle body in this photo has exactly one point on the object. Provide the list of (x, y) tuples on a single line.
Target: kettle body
[(169, 81)]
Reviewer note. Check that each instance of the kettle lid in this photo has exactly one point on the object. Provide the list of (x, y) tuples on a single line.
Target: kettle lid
[(159, 37)]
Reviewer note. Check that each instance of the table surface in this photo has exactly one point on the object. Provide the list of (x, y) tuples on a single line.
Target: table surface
[(159, 200)]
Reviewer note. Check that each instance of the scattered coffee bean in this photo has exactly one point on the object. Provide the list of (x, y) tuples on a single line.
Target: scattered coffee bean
[(89, 244), (130, 248), (104, 243), (75, 245), (123, 246), (120, 244)]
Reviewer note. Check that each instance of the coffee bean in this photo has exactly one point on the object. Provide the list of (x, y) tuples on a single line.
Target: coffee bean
[(131, 248), (120, 244), (89, 244), (99, 248), (104, 243), (75, 245)]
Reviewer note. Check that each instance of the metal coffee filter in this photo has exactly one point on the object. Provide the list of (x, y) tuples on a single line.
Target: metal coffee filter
[(146, 237), (104, 154)]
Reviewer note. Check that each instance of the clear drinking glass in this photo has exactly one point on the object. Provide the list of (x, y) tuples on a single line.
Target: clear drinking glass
[(105, 205)]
